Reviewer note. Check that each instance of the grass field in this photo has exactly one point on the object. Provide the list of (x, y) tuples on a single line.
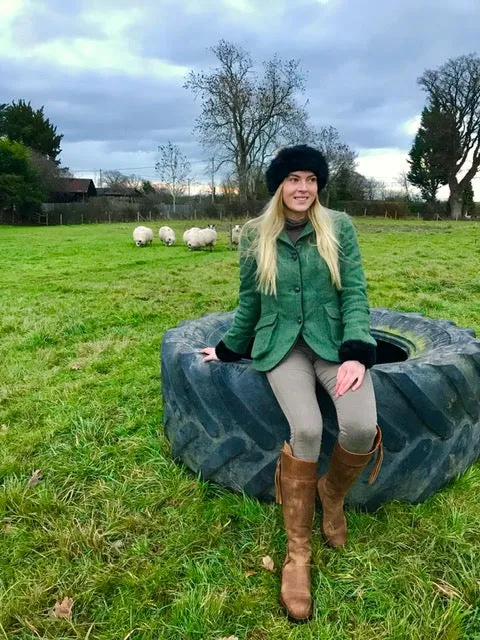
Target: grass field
[(146, 550)]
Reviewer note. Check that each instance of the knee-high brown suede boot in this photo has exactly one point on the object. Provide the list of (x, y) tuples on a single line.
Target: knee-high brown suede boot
[(295, 485), (344, 468)]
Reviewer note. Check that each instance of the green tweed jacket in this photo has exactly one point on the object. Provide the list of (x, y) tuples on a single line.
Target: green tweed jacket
[(335, 324)]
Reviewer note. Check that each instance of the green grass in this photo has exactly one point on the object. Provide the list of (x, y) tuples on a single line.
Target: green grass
[(144, 548)]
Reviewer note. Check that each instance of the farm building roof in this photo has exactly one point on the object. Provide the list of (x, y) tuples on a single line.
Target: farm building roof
[(74, 185)]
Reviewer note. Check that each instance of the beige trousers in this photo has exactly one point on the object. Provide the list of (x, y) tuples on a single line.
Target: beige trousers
[(293, 383)]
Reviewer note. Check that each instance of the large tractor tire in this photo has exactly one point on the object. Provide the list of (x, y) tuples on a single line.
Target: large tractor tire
[(224, 422)]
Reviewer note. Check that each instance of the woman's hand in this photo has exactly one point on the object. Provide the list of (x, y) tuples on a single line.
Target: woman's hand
[(350, 375), (210, 354)]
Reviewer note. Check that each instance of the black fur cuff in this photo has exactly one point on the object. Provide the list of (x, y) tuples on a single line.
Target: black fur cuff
[(358, 350), (225, 354)]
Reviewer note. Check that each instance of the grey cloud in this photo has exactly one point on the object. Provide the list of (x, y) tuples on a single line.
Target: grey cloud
[(40, 22), (362, 61), (95, 105), (182, 37), (130, 115), (179, 33)]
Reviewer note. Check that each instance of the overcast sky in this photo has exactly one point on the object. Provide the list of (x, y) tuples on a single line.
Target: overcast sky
[(111, 74)]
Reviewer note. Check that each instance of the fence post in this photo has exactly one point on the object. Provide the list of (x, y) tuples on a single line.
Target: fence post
[(61, 218), (81, 218), (365, 212)]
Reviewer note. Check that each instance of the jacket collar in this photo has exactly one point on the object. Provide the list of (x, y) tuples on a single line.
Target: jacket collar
[(284, 237)]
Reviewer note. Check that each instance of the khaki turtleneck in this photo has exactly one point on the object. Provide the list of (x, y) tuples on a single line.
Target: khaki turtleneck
[(294, 228)]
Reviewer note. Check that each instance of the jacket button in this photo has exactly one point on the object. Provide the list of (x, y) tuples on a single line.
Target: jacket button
[(297, 289), (294, 256), (299, 320)]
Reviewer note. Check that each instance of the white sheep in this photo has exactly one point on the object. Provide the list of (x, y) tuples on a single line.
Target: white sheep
[(167, 236), (235, 236), (187, 233), (195, 239), (209, 236), (142, 236)]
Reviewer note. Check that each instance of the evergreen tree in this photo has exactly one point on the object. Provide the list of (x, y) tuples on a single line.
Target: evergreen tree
[(147, 187), (21, 123), (427, 170), (20, 185)]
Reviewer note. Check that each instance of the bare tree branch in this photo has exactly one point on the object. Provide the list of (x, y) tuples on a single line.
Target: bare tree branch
[(245, 117), (173, 168)]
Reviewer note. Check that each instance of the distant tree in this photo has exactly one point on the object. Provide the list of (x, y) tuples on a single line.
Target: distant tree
[(48, 172), (173, 169), (20, 185), (340, 158), (455, 87), (211, 169), (229, 187), (380, 190), (148, 188), (128, 185), (134, 182), (246, 116), (350, 186), (405, 184), (115, 180), (427, 155), (21, 123), (394, 195), (257, 184), (373, 189)]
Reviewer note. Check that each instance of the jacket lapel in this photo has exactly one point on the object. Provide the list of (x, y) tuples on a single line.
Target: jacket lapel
[(306, 230), (284, 237)]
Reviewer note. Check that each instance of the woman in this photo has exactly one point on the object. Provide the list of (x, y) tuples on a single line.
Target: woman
[(303, 300)]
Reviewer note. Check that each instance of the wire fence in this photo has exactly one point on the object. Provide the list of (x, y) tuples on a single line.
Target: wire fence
[(109, 210)]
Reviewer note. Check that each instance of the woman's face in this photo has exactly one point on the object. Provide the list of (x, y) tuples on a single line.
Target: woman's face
[(299, 191)]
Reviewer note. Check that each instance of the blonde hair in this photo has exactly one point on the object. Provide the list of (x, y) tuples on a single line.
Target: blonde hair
[(268, 227)]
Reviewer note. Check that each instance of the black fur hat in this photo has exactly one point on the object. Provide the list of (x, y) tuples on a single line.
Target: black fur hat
[(298, 158)]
